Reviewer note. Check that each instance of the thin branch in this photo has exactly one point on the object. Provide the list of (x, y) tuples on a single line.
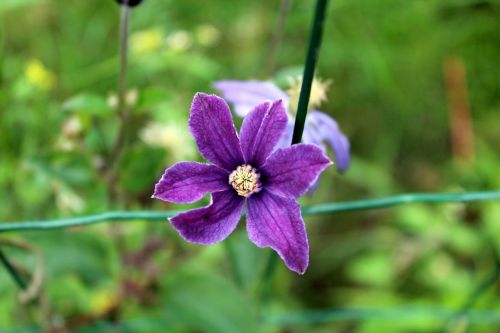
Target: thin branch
[(464, 313), (123, 111)]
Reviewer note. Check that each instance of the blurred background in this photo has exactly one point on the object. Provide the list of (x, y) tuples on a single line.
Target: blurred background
[(415, 87)]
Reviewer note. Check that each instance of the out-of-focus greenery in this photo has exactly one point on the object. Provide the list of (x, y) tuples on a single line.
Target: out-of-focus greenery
[(58, 125)]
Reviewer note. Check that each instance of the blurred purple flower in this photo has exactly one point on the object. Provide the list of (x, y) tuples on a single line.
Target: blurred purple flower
[(320, 129), (245, 170)]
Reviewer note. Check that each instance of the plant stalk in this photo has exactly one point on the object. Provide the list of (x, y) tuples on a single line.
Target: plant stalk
[(12, 271), (307, 78)]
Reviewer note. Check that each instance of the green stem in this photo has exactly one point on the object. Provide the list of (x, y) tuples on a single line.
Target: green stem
[(338, 207), (464, 312), (12, 271), (122, 103), (307, 78), (300, 119)]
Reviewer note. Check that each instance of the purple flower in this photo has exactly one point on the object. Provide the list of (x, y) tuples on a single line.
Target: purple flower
[(244, 169), (320, 129)]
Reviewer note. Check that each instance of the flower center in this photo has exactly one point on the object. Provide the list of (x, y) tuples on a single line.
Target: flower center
[(245, 180), (318, 92)]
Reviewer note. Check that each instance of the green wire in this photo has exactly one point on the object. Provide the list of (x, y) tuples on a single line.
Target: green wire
[(303, 318), (329, 208), (336, 315)]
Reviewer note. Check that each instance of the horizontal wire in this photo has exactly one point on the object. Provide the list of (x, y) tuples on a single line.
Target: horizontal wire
[(319, 316), (400, 314), (347, 206)]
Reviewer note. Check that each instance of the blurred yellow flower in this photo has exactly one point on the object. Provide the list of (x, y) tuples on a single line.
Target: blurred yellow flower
[(180, 40), (131, 98), (67, 200), (38, 75), (102, 301), (146, 41), (207, 35), (171, 137)]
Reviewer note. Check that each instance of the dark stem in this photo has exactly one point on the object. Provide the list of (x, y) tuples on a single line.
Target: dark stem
[(307, 78), (305, 92), (277, 37), (12, 271)]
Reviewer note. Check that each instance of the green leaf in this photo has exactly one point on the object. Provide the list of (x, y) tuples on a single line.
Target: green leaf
[(200, 300), (6, 5), (143, 161), (87, 103), (373, 269), (247, 260)]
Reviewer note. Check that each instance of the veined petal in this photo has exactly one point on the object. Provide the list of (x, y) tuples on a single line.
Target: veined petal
[(244, 95), (330, 133), (276, 222), (261, 130), (213, 129), (290, 171), (286, 138), (211, 224), (187, 182)]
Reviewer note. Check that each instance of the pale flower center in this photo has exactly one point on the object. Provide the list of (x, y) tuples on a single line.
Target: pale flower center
[(245, 180), (318, 93)]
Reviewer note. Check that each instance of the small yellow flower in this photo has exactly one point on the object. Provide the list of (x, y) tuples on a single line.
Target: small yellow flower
[(103, 301), (180, 40), (131, 98), (146, 41), (38, 75), (207, 35), (318, 92)]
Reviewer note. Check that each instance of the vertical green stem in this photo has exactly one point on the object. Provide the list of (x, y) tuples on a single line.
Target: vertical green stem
[(122, 83), (488, 283), (307, 78), (305, 92), (12, 271), (122, 103)]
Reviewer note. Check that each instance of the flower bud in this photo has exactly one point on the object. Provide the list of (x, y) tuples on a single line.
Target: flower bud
[(130, 3)]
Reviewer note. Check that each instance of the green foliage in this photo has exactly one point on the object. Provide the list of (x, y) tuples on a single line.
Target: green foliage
[(59, 125)]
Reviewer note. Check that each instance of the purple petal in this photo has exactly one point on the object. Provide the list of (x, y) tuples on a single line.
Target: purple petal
[(211, 224), (289, 172), (261, 130), (246, 94), (276, 222), (187, 182), (329, 132), (213, 129)]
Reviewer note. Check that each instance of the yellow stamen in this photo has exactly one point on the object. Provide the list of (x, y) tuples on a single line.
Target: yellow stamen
[(245, 180), (318, 92)]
